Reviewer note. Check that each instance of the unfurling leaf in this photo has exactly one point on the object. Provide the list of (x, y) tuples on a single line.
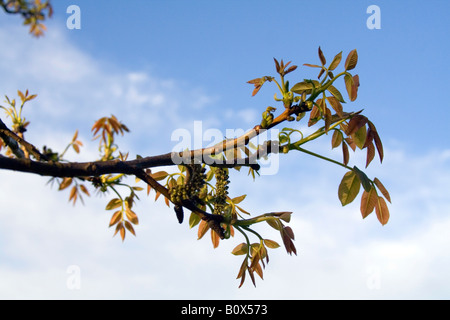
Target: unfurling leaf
[(349, 188)]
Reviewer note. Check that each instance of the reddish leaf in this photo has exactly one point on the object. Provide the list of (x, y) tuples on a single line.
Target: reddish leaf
[(382, 211), (322, 57), (368, 202), (345, 153), (383, 190), (337, 106), (355, 123), (370, 153), (336, 140), (352, 60)]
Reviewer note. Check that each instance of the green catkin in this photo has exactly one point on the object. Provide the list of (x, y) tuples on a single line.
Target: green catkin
[(221, 190)]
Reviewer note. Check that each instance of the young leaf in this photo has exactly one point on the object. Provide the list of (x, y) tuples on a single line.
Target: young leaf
[(203, 227), (345, 153), (240, 249), (113, 203), (348, 188), (215, 239), (160, 175), (301, 87), (359, 137), (355, 123), (382, 211), (352, 60), (377, 140), (116, 217), (337, 106), (368, 202), (132, 216), (352, 84), (336, 61), (370, 153), (130, 227), (238, 199), (65, 183), (335, 92), (271, 244), (337, 138), (322, 57), (194, 219), (365, 181), (383, 190)]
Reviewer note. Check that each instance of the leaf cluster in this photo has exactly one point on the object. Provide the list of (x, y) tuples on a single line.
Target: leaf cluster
[(34, 13)]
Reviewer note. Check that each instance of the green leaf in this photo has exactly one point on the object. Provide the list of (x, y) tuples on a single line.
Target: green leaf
[(348, 188), (335, 92), (301, 87), (359, 138), (336, 61), (365, 181), (160, 175), (194, 219), (238, 199)]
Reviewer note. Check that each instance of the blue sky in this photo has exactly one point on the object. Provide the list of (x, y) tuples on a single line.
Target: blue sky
[(160, 66)]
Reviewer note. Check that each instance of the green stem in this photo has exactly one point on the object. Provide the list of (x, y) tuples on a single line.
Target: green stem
[(323, 158)]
